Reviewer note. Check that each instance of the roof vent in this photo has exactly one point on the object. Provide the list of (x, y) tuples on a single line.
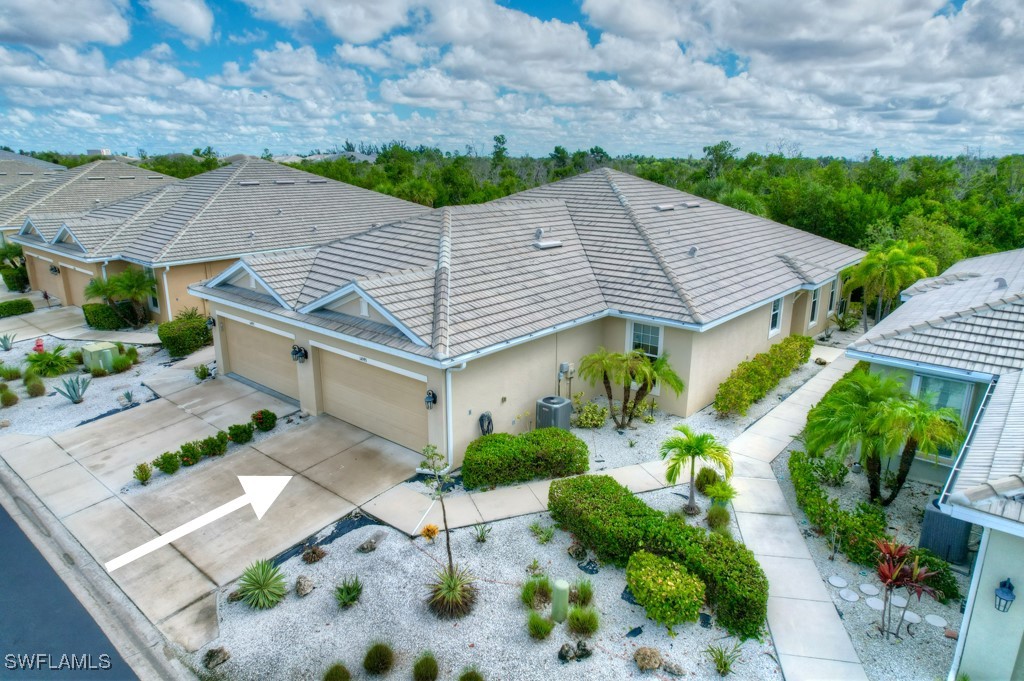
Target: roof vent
[(661, 207), (154, 177), (691, 204), (95, 178), (692, 252), (248, 183), (252, 235), (29, 172), (317, 180), (1000, 283), (126, 177), (279, 211), (284, 181), (314, 228), (541, 243)]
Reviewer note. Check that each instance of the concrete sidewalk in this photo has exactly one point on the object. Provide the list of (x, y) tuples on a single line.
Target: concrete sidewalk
[(66, 323)]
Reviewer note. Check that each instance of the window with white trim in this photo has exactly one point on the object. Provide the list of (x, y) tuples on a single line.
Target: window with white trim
[(775, 322), (154, 300), (647, 339), (832, 296), (815, 300)]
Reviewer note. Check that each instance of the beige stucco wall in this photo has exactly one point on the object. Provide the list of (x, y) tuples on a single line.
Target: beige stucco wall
[(174, 295), (66, 286), (993, 638)]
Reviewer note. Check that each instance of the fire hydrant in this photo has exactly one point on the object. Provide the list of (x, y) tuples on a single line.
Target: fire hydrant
[(38, 346)]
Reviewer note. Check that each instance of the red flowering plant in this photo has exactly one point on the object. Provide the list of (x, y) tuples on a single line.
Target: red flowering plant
[(896, 571)]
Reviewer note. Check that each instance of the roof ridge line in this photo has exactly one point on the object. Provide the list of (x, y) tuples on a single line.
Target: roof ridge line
[(938, 321), (655, 251), (75, 177), (125, 224), (198, 213), (440, 336)]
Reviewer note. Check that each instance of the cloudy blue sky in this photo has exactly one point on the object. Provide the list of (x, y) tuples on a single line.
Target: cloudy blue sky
[(661, 77)]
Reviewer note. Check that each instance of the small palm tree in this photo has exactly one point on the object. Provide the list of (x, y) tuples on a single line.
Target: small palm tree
[(606, 367), (688, 447), (646, 375), (888, 269), (135, 286)]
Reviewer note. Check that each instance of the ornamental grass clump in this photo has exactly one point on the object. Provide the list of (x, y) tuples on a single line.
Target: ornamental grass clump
[(452, 593), (8, 398), (425, 668), (379, 659), (35, 388), (536, 592), (723, 658), (539, 626), (337, 672), (582, 621), (471, 674), (581, 592), (718, 516), (262, 585)]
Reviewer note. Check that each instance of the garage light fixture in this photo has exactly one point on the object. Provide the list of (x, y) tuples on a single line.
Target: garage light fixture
[(210, 322), (299, 354), (1004, 595), (430, 400), (54, 270)]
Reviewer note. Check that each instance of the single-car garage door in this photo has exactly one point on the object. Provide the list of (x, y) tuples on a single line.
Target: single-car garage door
[(43, 279), (77, 281), (261, 357), (384, 402)]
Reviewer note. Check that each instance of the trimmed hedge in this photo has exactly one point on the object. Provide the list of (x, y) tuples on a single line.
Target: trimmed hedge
[(608, 518), (102, 317), (669, 594), (15, 278), (182, 337), (503, 459), (16, 307), (755, 378)]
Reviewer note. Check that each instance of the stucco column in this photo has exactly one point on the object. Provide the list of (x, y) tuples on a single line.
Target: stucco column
[(309, 377), (223, 361)]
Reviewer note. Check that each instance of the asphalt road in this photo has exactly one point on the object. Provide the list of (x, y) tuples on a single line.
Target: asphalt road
[(42, 624)]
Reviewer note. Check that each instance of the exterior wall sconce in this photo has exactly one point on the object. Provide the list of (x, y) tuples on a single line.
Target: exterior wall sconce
[(1004, 595), (430, 400), (210, 322), (299, 354), (54, 270)]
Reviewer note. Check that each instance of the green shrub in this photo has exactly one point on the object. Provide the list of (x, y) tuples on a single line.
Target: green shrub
[(755, 378), (536, 592), (8, 398), (240, 433), (50, 363), (943, 581), (121, 364), (131, 353), (502, 459), (9, 373), (582, 592), (831, 470), (668, 593), (348, 592), (603, 515), (542, 534), (15, 278), (76, 355), (539, 626), (471, 674), (143, 472), (98, 372), (191, 452), (35, 388), (379, 659), (262, 585), (264, 420), (215, 445), (582, 621), (591, 415), (718, 516), (202, 372), (182, 337), (102, 317), (705, 477), (425, 668), (17, 306), (337, 672), (168, 462)]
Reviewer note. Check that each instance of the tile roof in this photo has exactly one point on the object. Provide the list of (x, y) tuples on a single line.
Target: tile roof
[(19, 171), (466, 278), (970, 318), (247, 207), (83, 188), (31, 160)]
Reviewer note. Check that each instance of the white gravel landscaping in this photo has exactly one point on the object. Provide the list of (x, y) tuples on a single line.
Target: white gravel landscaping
[(301, 637), (924, 651), (54, 413)]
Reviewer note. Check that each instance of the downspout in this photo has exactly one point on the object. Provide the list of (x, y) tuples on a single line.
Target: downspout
[(167, 294), (972, 593), (103, 269)]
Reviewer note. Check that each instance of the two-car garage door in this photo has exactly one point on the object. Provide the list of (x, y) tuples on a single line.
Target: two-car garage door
[(382, 401)]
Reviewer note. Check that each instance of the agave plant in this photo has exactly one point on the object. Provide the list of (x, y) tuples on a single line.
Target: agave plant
[(7, 341), (74, 388)]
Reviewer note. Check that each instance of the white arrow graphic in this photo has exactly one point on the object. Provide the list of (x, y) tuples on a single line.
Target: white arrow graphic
[(260, 493)]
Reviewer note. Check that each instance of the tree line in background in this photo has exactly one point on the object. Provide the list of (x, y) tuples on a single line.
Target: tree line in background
[(952, 207)]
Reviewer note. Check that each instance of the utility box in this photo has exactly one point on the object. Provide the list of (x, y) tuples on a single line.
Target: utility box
[(945, 536), (99, 355), (554, 412)]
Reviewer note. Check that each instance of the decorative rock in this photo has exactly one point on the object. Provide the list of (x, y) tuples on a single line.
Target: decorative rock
[(849, 595), (215, 657), (950, 633), (583, 650), (634, 632), (672, 668), (875, 603), (590, 567), (869, 589), (820, 361), (566, 653), (370, 544), (936, 621), (627, 596), (647, 659), (234, 596), (6, 423), (911, 617), (577, 551), (898, 601), (838, 582), (705, 620), (303, 585)]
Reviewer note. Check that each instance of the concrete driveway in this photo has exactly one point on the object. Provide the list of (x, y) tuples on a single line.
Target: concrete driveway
[(65, 323), (85, 477)]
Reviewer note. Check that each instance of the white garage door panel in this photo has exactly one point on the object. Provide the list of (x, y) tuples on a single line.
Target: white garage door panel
[(380, 401), (262, 357)]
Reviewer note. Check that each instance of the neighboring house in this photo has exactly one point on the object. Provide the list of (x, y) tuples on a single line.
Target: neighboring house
[(952, 337), (414, 330), (958, 341), (190, 230), (17, 175)]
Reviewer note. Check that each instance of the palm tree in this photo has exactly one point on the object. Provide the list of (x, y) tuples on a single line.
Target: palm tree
[(606, 367), (688, 447), (649, 373), (920, 428), (135, 286), (887, 269), (848, 418), (103, 289)]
